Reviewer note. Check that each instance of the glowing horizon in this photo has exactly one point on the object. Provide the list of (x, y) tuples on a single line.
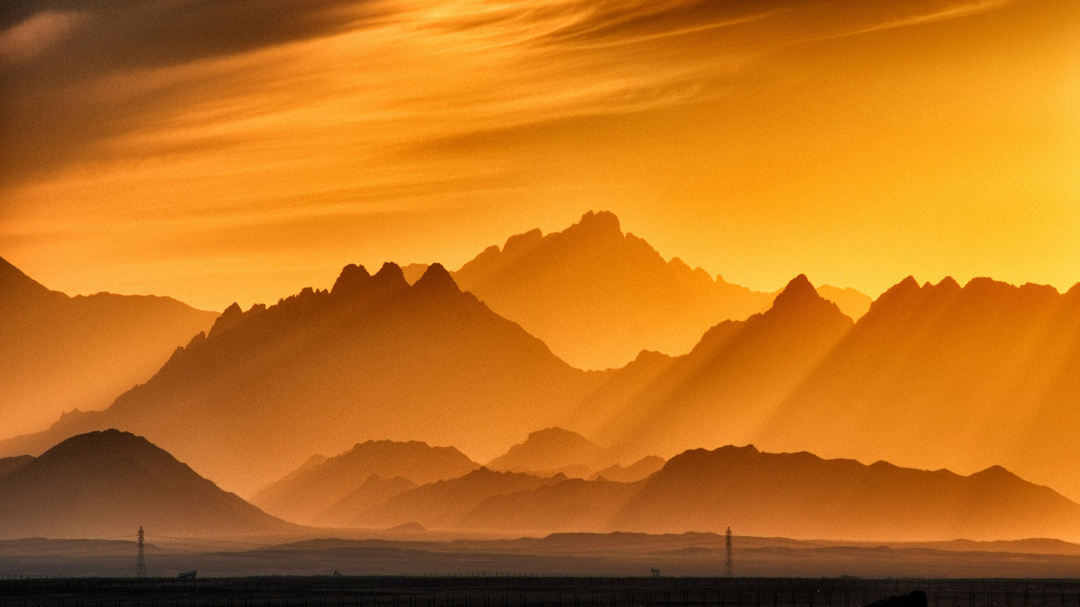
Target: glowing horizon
[(857, 146)]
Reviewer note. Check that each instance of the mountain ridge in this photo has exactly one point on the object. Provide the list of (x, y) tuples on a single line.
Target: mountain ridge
[(372, 358)]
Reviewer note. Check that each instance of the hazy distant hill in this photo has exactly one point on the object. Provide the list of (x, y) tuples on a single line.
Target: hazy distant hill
[(309, 492), (107, 484), (375, 358), (796, 495), (443, 504), (726, 386), (59, 352), (555, 449), (598, 296), (800, 495), (939, 375)]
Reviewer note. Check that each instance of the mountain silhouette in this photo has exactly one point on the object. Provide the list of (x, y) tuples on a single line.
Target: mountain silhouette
[(727, 386), (555, 449), (981, 374), (373, 358), (443, 504), (797, 495), (598, 296), (108, 484), (318, 486), (60, 352), (800, 495)]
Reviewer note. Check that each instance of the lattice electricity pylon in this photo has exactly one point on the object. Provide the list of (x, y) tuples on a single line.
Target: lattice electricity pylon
[(729, 565), (140, 561)]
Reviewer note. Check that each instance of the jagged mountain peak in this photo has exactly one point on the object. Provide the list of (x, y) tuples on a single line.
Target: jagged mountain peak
[(436, 279), (599, 222), (353, 278), (390, 274), (800, 295), (947, 284)]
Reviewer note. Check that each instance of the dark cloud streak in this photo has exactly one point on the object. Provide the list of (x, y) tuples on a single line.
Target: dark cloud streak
[(45, 119)]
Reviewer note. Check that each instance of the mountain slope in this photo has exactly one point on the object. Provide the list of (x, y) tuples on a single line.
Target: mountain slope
[(61, 352), (598, 296), (554, 449), (982, 374), (374, 358), (107, 484), (304, 495), (727, 386)]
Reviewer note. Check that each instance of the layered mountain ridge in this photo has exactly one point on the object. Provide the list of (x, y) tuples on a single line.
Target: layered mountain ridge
[(372, 358), (598, 296)]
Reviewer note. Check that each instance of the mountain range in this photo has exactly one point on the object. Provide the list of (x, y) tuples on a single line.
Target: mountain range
[(368, 468), (944, 375), (932, 376), (598, 296), (59, 352), (726, 387), (795, 495), (373, 358), (108, 484)]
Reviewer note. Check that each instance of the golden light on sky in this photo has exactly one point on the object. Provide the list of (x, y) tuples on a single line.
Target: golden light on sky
[(223, 151)]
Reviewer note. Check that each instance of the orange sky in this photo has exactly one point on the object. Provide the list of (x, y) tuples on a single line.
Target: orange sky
[(223, 151)]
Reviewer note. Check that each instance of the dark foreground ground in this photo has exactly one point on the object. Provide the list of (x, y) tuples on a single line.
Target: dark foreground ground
[(522, 591)]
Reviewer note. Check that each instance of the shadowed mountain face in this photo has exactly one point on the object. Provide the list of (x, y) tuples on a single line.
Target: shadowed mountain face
[(598, 296), (61, 352), (938, 375), (107, 484), (555, 449), (727, 387), (305, 494), (373, 358)]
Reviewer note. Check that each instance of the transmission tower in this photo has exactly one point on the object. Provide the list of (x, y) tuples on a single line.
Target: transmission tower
[(729, 565), (140, 561)]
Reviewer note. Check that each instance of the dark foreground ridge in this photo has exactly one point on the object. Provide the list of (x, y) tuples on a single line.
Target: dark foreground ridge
[(491, 589)]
